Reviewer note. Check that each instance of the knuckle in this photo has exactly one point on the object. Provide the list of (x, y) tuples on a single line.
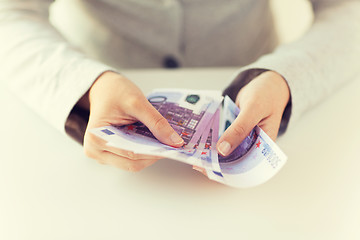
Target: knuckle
[(160, 123), (134, 102), (134, 167), (239, 130), (90, 138), (89, 153), (131, 155)]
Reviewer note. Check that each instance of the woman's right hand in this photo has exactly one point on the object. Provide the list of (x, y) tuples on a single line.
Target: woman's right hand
[(115, 100)]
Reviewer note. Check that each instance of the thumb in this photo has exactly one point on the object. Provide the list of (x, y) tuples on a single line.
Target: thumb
[(158, 125), (237, 132)]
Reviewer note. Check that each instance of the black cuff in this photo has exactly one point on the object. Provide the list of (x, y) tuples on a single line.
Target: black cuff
[(76, 124)]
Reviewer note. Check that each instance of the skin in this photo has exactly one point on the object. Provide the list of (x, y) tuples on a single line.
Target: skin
[(262, 102), (113, 99)]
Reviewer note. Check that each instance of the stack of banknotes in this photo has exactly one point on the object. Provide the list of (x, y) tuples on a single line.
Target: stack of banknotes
[(200, 118)]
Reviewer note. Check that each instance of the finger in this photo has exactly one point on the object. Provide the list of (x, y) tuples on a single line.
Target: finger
[(271, 126), (96, 150), (124, 163), (199, 169), (238, 131), (101, 145), (158, 125), (130, 155), (105, 157)]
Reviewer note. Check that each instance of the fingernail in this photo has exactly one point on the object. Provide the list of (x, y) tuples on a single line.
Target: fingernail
[(176, 139), (224, 148), (196, 168), (199, 169)]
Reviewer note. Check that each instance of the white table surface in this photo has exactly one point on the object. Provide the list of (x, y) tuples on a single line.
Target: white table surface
[(50, 190)]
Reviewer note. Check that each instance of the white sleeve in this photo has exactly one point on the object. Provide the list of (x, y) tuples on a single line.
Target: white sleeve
[(38, 64), (324, 59)]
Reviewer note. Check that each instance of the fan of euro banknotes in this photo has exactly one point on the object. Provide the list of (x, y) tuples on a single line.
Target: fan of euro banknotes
[(200, 118)]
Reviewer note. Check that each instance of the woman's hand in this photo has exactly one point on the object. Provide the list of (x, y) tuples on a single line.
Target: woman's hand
[(115, 100), (262, 102)]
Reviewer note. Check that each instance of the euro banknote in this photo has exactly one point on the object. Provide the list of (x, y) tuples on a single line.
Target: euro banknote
[(255, 160), (200, 119), (189, 112)]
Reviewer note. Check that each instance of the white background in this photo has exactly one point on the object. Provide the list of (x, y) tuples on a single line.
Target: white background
[(49, 190)]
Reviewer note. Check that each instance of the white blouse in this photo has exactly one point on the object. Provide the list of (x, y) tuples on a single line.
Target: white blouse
[(51, 75)]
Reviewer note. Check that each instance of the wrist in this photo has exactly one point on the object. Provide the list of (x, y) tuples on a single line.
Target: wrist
[(269, 90), (281, 83), (84, 101), (241, 81), (106, 82)]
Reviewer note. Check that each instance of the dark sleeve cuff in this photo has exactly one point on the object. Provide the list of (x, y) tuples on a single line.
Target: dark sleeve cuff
[(76, 123)]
